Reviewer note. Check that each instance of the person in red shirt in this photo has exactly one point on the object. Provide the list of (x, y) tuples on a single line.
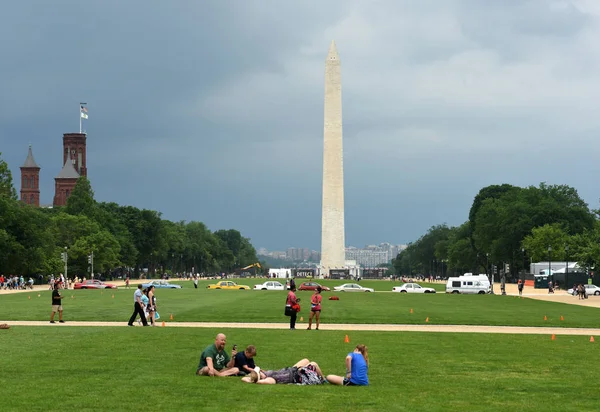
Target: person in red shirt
[(315, 307), (292, 301)]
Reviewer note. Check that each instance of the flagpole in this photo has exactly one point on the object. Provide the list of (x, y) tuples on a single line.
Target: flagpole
[(81, 111)]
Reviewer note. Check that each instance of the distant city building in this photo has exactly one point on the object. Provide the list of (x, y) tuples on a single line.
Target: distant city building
[(374, 255), (369, 256)]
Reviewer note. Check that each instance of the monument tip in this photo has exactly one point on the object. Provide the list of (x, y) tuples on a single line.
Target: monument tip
[(332, 48)]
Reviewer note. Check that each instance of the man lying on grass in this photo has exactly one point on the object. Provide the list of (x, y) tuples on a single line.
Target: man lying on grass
[(303, 372)]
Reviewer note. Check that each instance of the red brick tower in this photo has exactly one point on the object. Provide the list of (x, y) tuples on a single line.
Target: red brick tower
[(74, 146), (65, 181), (30, 181)]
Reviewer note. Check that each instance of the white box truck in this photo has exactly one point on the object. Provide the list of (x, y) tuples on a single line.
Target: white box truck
[(469, 283)]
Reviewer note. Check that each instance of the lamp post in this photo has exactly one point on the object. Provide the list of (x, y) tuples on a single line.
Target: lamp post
[(567, 268), (549, 260), (66, 266), (523, 251)]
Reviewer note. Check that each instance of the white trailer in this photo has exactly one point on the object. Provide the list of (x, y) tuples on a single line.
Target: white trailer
[(541, 268)]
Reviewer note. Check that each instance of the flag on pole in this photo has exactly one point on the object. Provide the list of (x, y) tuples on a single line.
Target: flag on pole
[(84, 114)]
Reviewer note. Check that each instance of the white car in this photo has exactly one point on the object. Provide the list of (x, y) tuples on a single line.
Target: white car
[(412, 288), (352, 287), (270, 285), (589, 290)]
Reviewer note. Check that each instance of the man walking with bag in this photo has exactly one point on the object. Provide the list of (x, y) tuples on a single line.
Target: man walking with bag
[(138, 308)]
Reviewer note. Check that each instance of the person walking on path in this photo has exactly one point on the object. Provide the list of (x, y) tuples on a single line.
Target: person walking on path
[(151, 304), (57, 305), (292, 301), (315, 307), (138, 309), (520, 286)]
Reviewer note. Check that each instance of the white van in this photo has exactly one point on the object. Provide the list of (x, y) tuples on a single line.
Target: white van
[(469, 283)]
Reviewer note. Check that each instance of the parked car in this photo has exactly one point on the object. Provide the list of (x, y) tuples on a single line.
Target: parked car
[(227, 284), (161, 284), (352, 287), (312, 286), (412, 288), (589, 290), (94, 284), (270, 285)]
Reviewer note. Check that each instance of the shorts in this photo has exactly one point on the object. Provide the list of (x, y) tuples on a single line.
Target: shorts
[(315, 310), (286, 375), (57, 308), (348, 383)]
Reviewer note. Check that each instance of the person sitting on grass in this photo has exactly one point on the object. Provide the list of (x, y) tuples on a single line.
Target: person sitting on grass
[(303, 372), (214, 361), (357, 367), (244, 361)]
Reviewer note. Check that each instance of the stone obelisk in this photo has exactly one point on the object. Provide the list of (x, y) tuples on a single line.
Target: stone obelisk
[(333, 252)]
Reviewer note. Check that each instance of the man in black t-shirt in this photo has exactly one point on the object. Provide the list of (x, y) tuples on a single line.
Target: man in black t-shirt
[(244, 361), (57, 305)]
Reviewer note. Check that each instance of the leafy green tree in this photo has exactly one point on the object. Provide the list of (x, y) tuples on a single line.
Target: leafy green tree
[(6, 183), (549, 235), (461, 254), (81, 201), (241, 248)]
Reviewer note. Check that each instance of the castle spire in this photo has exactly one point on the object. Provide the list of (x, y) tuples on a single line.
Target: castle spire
[(30, 161)]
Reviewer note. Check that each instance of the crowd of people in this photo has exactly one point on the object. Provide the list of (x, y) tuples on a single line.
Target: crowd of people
[(216, 361), (15, 283)]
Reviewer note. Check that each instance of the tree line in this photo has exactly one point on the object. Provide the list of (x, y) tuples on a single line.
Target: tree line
[(509, 227), (121, 237)]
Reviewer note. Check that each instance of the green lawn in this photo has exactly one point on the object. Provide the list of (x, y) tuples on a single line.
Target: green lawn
[(112, 368), (190, 305)]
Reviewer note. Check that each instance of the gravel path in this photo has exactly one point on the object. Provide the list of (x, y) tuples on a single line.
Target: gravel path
[(341, 327)]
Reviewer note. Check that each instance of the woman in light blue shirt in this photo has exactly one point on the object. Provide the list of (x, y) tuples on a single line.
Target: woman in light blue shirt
[(357, 368)]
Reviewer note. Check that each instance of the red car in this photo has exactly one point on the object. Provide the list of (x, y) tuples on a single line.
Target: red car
[(312, 286), (94, 284)]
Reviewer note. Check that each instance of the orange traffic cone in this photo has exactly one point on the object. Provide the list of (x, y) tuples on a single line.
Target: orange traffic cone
[(592, 339), (411, 310), (346, 339), (171, 317), (163, 324), (553, 337), (113, 296), (72, 297), (427, 320), (561, 317), (301, 319), (545, 318), (29, 297)]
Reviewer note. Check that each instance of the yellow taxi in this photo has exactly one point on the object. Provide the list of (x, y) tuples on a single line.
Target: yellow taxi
[(227, 284)]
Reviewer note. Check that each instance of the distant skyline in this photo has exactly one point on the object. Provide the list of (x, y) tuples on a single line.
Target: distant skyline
[(213, 111)]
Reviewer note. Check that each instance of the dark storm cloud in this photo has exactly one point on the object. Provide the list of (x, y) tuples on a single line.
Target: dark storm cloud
[(212, 110)]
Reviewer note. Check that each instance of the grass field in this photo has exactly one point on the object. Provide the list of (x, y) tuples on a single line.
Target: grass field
[(193, 305), (116, 368), (113, 368)]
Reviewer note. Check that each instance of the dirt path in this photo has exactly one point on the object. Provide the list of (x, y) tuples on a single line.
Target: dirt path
[(342, 327)]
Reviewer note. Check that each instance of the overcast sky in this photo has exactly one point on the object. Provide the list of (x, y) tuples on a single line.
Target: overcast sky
[(213, 110)]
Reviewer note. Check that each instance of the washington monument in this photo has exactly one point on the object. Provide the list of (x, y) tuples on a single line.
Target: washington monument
[(333, 252)]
